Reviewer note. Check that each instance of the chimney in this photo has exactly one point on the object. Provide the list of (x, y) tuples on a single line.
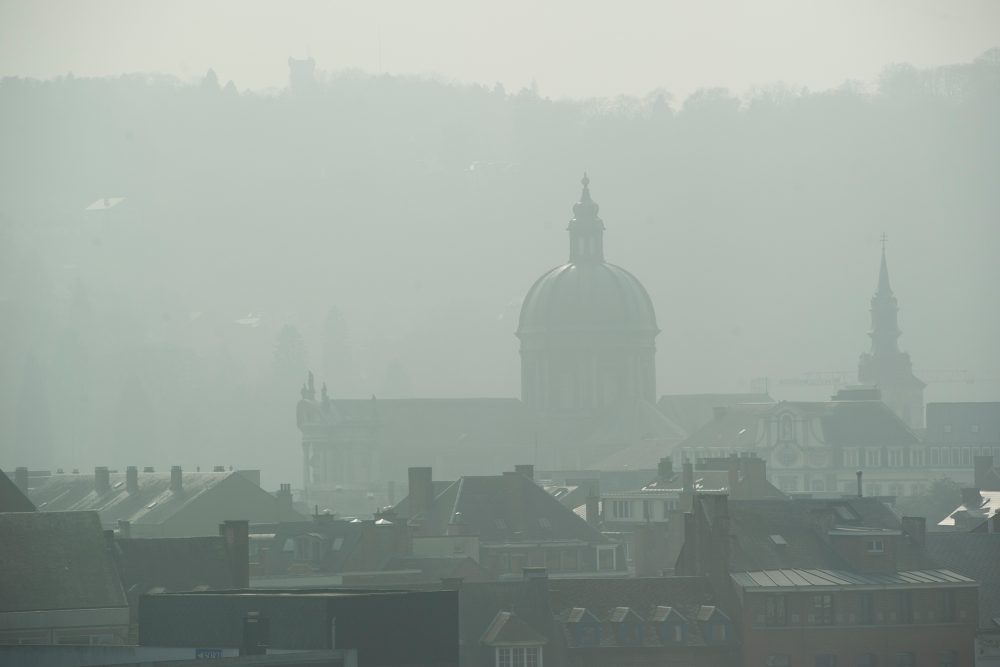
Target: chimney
[(859, 473), (687, 476), (915, 527), (972, 498), (733, 470), (237, 536), (124, 529), (594, 510), (421, 490), (983, 466), (21, 479), (102, 480), (132, 479), (284, 497), (719, 412), (526, 469), (665, 468), (176, 479), (390, 492)]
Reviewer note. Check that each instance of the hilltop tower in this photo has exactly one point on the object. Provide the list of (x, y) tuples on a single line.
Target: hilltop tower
[(885, 366)]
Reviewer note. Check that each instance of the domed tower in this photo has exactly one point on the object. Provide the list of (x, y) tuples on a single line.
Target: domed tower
[(587, 328)]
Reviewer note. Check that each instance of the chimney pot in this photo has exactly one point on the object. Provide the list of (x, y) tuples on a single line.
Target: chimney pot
[(124, 529), (132, 479), (102, 479), (421, 490), (665, 469), (859, 473), (176, 479)]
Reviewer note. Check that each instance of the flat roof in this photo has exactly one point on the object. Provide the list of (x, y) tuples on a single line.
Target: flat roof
[(793, 579)]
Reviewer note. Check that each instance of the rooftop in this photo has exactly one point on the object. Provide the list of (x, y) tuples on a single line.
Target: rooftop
[(795, 579)]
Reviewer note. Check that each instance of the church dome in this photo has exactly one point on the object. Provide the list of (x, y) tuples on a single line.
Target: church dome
[(587, 297), (587, 294)]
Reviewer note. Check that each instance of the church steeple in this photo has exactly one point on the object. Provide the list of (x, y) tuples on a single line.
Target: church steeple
[(586, 229), (884, 311)]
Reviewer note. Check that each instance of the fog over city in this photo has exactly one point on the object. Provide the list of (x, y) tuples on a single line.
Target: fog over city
[(462, 334), (390, 221)]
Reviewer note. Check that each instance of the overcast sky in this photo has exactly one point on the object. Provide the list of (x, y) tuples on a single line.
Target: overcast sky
[(570, 48)]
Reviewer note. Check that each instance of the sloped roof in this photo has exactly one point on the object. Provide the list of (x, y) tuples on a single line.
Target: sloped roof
[(56, 560), (154, 503), (754, 522), (988, 505), (692, 411), (974, 555), (174, 564), (505, 508), (11, 497), (507, 628), (952, 423), (795, 579)]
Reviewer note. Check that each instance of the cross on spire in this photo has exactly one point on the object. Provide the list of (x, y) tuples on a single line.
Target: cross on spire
[(883, 239)]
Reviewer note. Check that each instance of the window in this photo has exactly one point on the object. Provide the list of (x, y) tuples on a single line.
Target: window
[(904, 660), (826, 660), (948, 659), (519, 656), (896, 458), (947, 428), (917, 457), (570, 561), (718, 632), (774, 610), (974, 428), (647, 510), (966, 457), (896, 490), (787, 428), (867, 608), (543, 522), (850, 458), (621, 509), (876, 546), (822, 609), (605, 558), (779, 660), (868, 660), (935, 456), (873, 458), (904, 606), (947, 606)]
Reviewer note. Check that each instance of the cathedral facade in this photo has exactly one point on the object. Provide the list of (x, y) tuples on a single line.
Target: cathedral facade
[(587, 330)]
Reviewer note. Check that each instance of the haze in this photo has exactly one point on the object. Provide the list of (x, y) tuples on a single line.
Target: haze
[(382, 230)]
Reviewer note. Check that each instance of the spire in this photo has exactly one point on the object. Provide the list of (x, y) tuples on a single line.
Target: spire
[(885, 329), (883, 274), (586, 229)]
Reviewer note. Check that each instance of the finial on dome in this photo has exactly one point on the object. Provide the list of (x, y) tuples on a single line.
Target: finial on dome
[(586, 208)]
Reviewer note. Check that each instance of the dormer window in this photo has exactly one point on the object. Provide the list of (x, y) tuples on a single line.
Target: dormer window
[(876, 546)]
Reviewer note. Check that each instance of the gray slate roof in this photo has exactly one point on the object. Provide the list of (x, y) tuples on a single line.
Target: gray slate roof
[(154, 504), (977, 556), (506, 508), (795, 579), (753, 522), (11, 497), (56, 560)]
